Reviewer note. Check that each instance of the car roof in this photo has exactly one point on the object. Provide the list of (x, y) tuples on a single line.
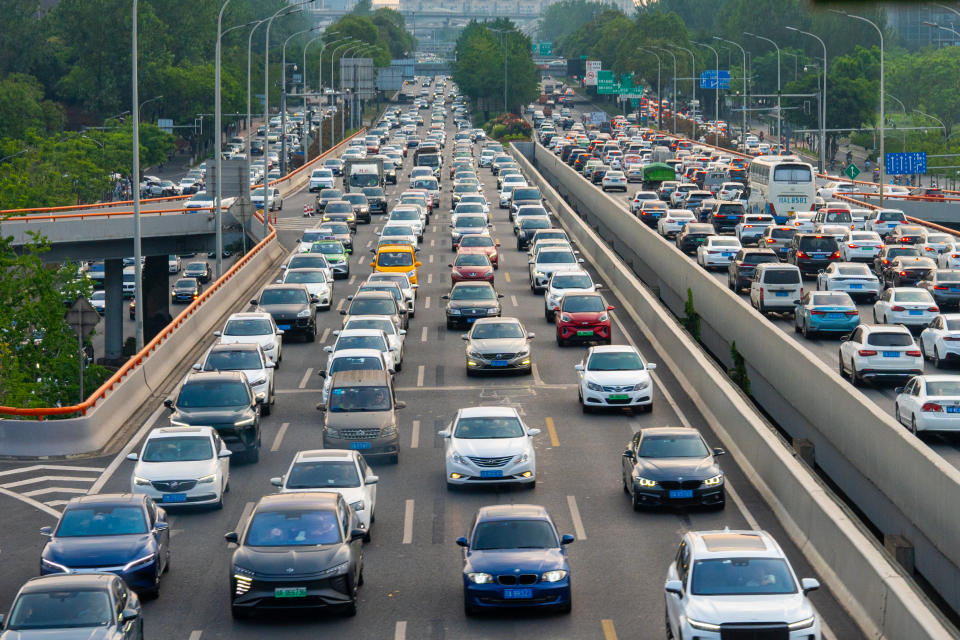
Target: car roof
[(206, 376), (295, 500), (248, 315), (236, 346), (728, 543), (134, 499), (324, 454), (891, 328), (512, 512), (66, 581), (669, 431), (174, 432), (361, 378)]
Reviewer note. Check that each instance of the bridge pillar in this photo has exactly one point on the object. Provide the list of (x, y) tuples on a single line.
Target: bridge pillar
[(156, 296), (113, 310)]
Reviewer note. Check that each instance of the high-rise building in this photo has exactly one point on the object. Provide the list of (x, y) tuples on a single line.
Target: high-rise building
[(907, 21)]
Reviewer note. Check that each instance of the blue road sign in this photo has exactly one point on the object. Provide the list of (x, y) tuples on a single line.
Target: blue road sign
[(898, 164), (710, 79)]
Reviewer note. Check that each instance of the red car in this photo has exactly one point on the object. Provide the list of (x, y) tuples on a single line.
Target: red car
[(583, 317), (471, 266), (480, 243)]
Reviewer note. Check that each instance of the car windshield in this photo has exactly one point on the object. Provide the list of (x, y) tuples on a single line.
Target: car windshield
[(284, 296), (213, 393), (556, 257), (397, 230), (526, 194), (890, 340), (472, 260), (583, 304), (248, 327), (330, 194), (493, 330), (476, 241), (912, 296), (902, 251), (224, 360), (327, 474), (185, 284), (305, 277), (356, 363), (535, 224), (405, 214), (312, 236), (337, 228), (582, 281), (514, 534), (470, 222), (331, 248), (742, 576), (724, 242), (355, 198), (759, 258), (839, 216), (374, 307), (395, 259), (341, 207), (197, 267), (781, 276), (359, 399), (102, 520), (488, 428), (472, 293), (293, 529), (853, 270), (178, 449), (61, 610), (690, 446), (832, 299), (361, 342), (818, 243), (468, 207), (782, 234), (615, 361)]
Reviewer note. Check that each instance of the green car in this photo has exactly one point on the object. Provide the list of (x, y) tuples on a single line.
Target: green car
[(336, 254)]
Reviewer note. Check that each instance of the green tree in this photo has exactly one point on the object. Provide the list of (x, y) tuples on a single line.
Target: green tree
[(393, 33), (478, 68), (23, 107), (566, 16), (927, 81)]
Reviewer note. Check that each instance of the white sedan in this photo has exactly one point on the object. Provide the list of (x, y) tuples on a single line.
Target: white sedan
[(614, 180), (316, 282), (395, 335), (940, 341), (256, 327), (250, 360), (175, 458), (929, 403), (752, 227), (909, 306), (489, 445), (855, 278), (561, 283), (673, 223), (937, 243), (860, 245), (615, 376), (717, 251)]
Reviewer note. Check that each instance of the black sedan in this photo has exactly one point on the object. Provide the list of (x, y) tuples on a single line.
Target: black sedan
[(184, 290), (468, 301), (672, 466), (693, 235), (297, 550), (292, 307), (198, 270)]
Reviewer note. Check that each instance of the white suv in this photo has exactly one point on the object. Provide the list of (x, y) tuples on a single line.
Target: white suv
[(880, 352), (720, 580)]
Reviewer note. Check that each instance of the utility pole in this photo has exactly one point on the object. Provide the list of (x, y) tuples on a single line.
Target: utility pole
[(135, 114)]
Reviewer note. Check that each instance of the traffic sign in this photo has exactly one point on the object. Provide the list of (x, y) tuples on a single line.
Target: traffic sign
[(592, 68), (852, 171), (898, 164), (714, 79), (546, 48), (626, 80), (630, 92), (607, 82), (82, 317)]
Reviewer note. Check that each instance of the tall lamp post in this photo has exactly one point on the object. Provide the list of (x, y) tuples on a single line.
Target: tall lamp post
[(659, 99), (743, 126), (673, 105), (716, 97), (135, 115), (322, 95), (306, 157), (333, 56), (823, 100), (283, 97), (779, 112), (942, 126), (693, 80), (218, 151), (343, 96)]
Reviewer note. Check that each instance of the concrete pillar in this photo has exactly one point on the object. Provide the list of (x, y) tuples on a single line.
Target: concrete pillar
[(156, 296), (115, 307)]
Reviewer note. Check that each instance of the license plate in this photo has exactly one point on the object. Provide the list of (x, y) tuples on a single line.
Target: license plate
[(783, 249), (953, 409), (499, 363), (891, 354), (782, 294), (731, 217), (727, 255), (491, 473), (584, 333), (290, 592), (699, 240), (916, 312), (834, 316), (618, 396), (681, 493), (470, 320), (517, 594), (819, 256), (359, 445), (285, 327), (174, 497), (954, 290), (856, 286)]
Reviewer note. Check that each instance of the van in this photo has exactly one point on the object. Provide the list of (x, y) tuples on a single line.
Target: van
[(360, 414), (713, 180), (776, 287), (396, 258)]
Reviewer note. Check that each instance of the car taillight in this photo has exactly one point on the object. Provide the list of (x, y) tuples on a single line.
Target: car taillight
[(951, 339), (852, 246), (933, 309), (851, 313), (903, 274), (929, 249), (866, 352), (816, 312), (835, 255), (931, 407), (897, 308), (914, 354), (770, 240), (939, 288), (803, 256), (885, 261)]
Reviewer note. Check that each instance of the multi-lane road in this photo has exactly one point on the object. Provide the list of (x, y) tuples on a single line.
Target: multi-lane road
[(412, 565)]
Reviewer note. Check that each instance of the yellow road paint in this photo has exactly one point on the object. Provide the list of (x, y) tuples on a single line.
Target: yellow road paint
[(552, 430)]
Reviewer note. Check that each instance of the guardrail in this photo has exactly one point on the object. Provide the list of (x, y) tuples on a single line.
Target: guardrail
[(859, 446)]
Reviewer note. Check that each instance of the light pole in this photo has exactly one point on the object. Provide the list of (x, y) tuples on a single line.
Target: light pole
[(249, 50), (333, 56), (503, 43), (323, 95), (942, 27), (779, 112), (823, 101), (659, 99), (343, 96), (147, 102), (882, 159), (135, 115), (283, 97), (942, 126), (306, 152), (673, 105), (218, 144), (716, 97), (743, 127), (693, 81)]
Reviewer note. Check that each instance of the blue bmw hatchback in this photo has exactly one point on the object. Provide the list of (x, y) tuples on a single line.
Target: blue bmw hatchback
[(515, 558), (120, 533)]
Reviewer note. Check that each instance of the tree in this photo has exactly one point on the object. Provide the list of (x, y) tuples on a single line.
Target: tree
[(23, 107), (478, 68), (566, 16), (926, 80), (363, 8), (393, 33)]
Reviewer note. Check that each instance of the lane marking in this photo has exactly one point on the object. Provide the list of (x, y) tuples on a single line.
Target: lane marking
[(426, 302), (325, 335), (506, 276), (535, 372), (279, 437), (458, 387), (40, 492), (369, 243), (352, 279), (415, 434), (430, 259), (420, 372), (247, 509), (20, 483), (400, 633), (575, 515), (429, 278), (513, 300), (195, 635), (552, 430), (52, 467), (407, 521), (341, 303), (122, 456), (306, 376), (609, 632), (433, 242), (30, 501), (423, 334)]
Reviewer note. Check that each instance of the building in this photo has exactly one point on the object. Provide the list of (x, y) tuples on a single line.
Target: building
[(907, 21)]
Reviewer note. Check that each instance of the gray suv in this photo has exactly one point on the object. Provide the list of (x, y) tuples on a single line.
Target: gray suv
[(360, 414)]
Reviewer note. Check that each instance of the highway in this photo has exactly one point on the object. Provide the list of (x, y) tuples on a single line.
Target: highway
[(413, 584)]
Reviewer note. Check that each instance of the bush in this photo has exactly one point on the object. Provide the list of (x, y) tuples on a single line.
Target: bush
[(508, 125)]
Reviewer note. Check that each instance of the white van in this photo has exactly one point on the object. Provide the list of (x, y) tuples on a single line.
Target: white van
[(776, 287)]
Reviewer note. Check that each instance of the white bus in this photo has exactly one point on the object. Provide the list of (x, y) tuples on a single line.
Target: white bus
[(781, 184)]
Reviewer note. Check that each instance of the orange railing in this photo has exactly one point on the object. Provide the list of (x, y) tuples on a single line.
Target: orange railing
[(102, 214)]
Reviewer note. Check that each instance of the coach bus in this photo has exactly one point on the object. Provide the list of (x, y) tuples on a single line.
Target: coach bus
[(781, 184)]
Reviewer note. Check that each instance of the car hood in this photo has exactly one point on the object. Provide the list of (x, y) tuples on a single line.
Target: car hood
[(283, 310), (92, 633), (515, 561), (750, 608), (277, 561), (350, 494), (212, 415), (489, 447), (98, 551), (617, 377), (359, 419), (498, 345), (675, 468), (470, 304), (175, 470), (584, 316), (477, 270), (556, 267), (264, 341)]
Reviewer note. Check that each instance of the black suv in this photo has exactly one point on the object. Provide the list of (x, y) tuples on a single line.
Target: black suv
[(292, 307), (725, 216), (811, 252), (743, 266), (377, 199), (693, 235)]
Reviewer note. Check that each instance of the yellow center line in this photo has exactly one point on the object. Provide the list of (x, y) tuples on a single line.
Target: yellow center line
[(552, 430), (506, 276), (609, 633)]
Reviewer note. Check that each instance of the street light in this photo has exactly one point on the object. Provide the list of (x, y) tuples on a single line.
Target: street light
[(942, 126), (716, 103), (693, 82), (283, 96), (942, 28), (883, 156), (348, 42), (218, 144), (779, 112), (249, 54), (322, 94), (743, 127), (148, 101), (673, 105), (355, 46), (137, 268), (823, 100), (306, 152), (659, 100)]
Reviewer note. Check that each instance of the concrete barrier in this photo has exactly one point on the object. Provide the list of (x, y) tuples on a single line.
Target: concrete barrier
[(883, 600)]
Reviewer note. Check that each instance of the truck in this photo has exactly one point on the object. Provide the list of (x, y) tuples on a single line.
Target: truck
[(360, 173)]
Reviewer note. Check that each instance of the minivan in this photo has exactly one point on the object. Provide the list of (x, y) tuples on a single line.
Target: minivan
[(775, 287), (360, 414)]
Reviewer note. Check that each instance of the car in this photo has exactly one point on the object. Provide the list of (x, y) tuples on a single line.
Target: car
[(907, 271), (407, 288), (480, 243), (378, 299), (498, 344), (489, 446), (346, 359), (529, 227), (351, 339), (396, 233), (198, 270), (883, 259), (409, 215), (834, 188), (513, 557), (717, 252), (937, 243), (326, 196), (673, 222), (396, 258), (730, 579), (334, 470), (360, 414), (251, 360), (254, 327), (802, 222), (725, 216), (940, 340), (119, 533), (340, 211), (174, 264), (468, 301), (199, 200), (471, 266), (811, 252), (853, 278), (550, 260), (860, 246), (693, 234), (751, 228), (907, 234), (185, 290), (650, 211), (276, 200), (883, 221), (337, 255), (466, 223), (387, 324), (182, 466), (321, 531), (360, 204), (775, 288), (908, 306), (562, 282), (929, 403), (614, 180), (87, 605), (316, 282), (321, 179), (741, 269), (292, 308), (943, 285), (672, 467), (879, 352), (614, 376), (583, 317), (825, 312), (640, 197)]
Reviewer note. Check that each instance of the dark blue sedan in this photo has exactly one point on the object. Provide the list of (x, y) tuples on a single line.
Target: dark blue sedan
[(515, 558), (124, 534)]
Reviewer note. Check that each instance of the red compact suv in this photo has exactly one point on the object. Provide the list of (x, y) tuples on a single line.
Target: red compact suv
[(583, 317)]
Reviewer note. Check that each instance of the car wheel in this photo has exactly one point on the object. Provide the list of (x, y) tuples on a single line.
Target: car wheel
[(265, 408), (937, 362), (913, 424), (634, 502), (253, 455), (896, 413), (395, 458), (350, 610), (807, 331), (855, 376), (567, 607), (548, 316), (796, 324), (875, 321), (219, 504), (666, 620)]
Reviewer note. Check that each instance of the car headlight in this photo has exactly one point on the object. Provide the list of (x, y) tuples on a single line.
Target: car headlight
[(593, 386), (257, 381), (714, 481), (207, 479), (246, 422), (703, 626), (474, 354), (304, 314), (337, 570), (640, 386), (480, 578), (139, 562), (802, 624), (523, 354), (564, 317), (644, 482), (141, 482), (553, 576), (357, 506), (456, 457), (539, 274), (523, 457), (603, 317), (412, 273), (53, 566), (388, 431), (453, 312), (332, 433)]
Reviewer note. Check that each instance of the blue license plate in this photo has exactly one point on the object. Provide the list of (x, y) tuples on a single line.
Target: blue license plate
[(285, 327), (819, 256), (835, 316), (783, 249), (359, 445), (491, 473), (954, 290), (470, 320), (517, 594), (953, 409), (499, 363), (727, 255), (856, 286), (782, 294), (891, 354), (732, 217), (681, 493), (682, 223), (174, 497), (916, 312)]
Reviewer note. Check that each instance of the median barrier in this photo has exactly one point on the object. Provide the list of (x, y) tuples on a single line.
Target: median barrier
[(880, 597)]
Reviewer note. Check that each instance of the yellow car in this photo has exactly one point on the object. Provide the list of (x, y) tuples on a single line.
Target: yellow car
[(396, 258)]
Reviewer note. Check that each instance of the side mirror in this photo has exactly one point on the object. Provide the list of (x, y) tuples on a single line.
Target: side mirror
[(399, 404), (651, 366), (161, 526), (133, 456), (343, 312), (328, 349), (196, 367), (225, 453), (315, 299), (628, 453), (531, 335), (533, 432), (357, 534), (578, 367), (461, 541), (253, 302), (217, 334), (809, 584), (445, 297), (609, 307), (321, 406), (372, 480), (500, 295), (168, 403), (719, 451), (129, 614), (898, 390), (844, 337), (445, 433), (280, 332), (566, 538), (464, 336), (270, 364), (46, 531), (277, 482), (675, 587), (232, 537)]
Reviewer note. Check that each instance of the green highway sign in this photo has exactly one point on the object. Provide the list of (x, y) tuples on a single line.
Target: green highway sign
[(626, 80), (546, 48), (635, 103), (629, 91), (606, 82), (852, 171)]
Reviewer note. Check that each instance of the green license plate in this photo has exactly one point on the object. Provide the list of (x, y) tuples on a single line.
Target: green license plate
[(619, 396), (584, 333), (290, 592)]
